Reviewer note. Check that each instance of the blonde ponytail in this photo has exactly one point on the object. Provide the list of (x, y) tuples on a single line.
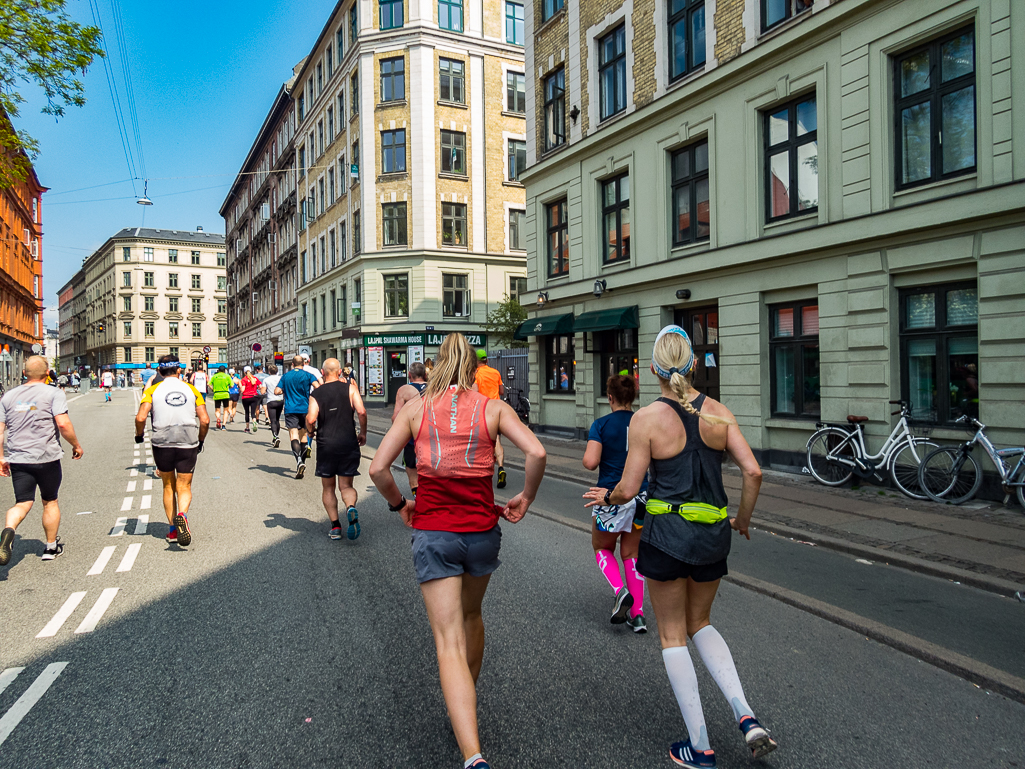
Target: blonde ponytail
[(672, 352), (456, 365)]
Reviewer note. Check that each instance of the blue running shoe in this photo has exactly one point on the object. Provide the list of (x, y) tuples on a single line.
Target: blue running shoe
[(353, 517), (757, 738), (480, 763), (685, 755)]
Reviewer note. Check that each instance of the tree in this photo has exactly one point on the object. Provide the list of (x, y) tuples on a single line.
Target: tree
[(502, 322), (39, 44)]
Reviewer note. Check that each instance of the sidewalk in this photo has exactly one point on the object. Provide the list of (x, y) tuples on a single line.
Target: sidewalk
[(979, 543)]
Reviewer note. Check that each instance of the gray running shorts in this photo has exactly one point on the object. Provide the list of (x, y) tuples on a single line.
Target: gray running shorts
[(440, 554)]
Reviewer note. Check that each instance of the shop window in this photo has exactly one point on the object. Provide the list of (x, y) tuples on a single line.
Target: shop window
[(558, 240), (794, 359), (617, 354), (791, 159), (559, 363), (455, 296), (396, 296), (686, 36), (690, 194), (939, 350), (615, 195)]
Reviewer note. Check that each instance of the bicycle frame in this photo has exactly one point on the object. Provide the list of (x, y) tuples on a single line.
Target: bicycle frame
[(996, 456), (901, 432)]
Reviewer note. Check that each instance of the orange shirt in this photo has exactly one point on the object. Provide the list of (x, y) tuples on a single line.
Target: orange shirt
[(488, 381)]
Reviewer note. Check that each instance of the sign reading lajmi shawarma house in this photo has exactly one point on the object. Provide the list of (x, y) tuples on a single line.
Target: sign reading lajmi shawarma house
[(407, 340)]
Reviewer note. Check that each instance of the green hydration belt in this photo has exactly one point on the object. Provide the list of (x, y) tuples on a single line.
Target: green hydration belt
[(698, 512)]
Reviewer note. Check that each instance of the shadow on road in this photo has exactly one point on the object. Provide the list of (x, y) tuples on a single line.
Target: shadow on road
[(284, 472)]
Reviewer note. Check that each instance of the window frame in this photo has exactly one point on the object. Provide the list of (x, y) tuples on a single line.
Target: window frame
[(451, 5), (514, 290), (617, 345), (561, 230), (392, 6), (172, 329), (172, 304), (686, 14), (549, 8), (149, 280), (398, 292), (394, 213), (516, 168), (691, 181), (462, 294), (792, 12), (197, 326), (454, 213), (390, 147), (792, 144), (554, 108), (517, 228), (195, 258), (515, 93), (798, 342), (453, 78), (149, 329), (149, 304), (615, 209), (617, 64), (459, 149), (197, 282), (391, 77), (196, 304), (172, 280), (509, 4), (554, 358)]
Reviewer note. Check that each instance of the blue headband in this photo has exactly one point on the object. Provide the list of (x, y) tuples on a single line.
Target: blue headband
[(683, 370)]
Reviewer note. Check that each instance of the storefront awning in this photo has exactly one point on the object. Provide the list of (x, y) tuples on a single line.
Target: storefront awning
[(545, 326), (603, 320)]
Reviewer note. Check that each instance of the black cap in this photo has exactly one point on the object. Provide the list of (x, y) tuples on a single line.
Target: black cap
[(168, 363)]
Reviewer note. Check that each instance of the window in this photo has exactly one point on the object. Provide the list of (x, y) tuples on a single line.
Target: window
[(340, 37), (455, 302), (321, 197), (342, 254), (148, 303), (517, 288), (453, 152), (126, 254), (355, 160), (357, 242), (301, 107), (686, 36), (222, 306), (794, 359), (197, 304), (147, 279), (151, 354), (173, 351), (222, 283), (320, 78), (517, 222), (450, 15), (127, 300), (777, 11), (172, 329), (558, 239), (128, 328), (934, 88), (320, 138), (612, 72), (302, 266), (555, 109), (127, 353), (197, 330), (516, 92), (394, 224), (302, 321), (549, 8), (302, 162), (514, 23), (341, 109), (323, 255), (333, 248), (330, 62), (323, 316), (172, 304), (330, 125), (391, 14), (559, 363), (396, 296), (517, 159), (939, 350), (195, 257), (172, 256), (148, 328), (615, 196), (172, 280), (126, 279), (617, 354), (147, 254), (453, 224), (791, 158), (354, 90), (342, 308), (452, 81), (393, 79), (353, 24), (690, 194), (222, 259), (393, 151), (222, 330), (196, 281)]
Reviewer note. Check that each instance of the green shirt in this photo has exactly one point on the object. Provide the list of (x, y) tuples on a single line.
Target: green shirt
[(220, 383)]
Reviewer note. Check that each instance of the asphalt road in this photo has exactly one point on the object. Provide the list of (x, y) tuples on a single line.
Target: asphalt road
[(265, 644)]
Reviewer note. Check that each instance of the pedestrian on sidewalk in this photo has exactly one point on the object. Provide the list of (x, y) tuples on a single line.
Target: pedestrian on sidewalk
[(410, 391), (606, 452), (252, 394), (180, 423), (274, 404), (333, 409), (220, 383), (488, 382), (456, 536), (686, 536), (296, 386), (31, 416)]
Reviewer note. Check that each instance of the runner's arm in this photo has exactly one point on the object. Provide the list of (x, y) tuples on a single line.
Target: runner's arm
[(5, 467), (501, 389), (312, 412), (278, 391), (638, 457), (67, 431), (400, 401), (740, 452), (380, 469), (356, 401), (535, 459), (140, 418), (204, 418), (592, 455)]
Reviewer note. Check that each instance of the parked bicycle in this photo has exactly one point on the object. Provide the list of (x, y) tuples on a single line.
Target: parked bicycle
[(837, 452), (951, 474)]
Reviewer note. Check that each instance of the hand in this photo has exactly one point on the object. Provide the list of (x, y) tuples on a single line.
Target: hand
[(597, 496), (362, 439), (138, 439), (200, 447), (407, 512), (77, 451), (516, 508), (739, 528), (5, 469)]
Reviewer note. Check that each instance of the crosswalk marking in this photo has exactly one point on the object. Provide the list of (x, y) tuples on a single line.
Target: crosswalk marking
[(129, 560), (62, 615), (141, 523), (7, 676), (31, 696), (96, 613), (101, 562), (147, 501), (131, 487), (126, 504), (119, 527)]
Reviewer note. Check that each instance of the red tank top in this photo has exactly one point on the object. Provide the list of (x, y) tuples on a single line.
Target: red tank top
[(455, 462)]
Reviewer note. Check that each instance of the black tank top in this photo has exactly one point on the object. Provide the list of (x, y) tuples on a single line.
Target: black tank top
[(336, 428), (693, 475)]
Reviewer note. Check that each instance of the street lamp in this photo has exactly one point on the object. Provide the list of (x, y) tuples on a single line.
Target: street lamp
[(144, 200)]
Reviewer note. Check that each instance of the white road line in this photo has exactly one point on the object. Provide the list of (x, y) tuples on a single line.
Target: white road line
[(126, 504), (131, 487), (7, 676), (31, 696), (119, 527), (129, 560), (135, 453), (147, 485), (147, 501), (141, 523), (86, 512), (101, 562), (134, 472), (96, 613), (62, 615)]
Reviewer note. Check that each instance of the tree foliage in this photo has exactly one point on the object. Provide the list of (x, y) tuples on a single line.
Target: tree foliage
[(39, 45), (502, 322)]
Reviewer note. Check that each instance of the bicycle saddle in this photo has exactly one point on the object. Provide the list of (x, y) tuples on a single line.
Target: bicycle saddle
[(855, 420)]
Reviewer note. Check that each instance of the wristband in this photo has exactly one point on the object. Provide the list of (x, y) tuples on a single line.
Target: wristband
[(608, 494), (399, 506)]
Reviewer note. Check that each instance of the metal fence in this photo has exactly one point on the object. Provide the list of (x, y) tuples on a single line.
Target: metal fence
[(514, 365)]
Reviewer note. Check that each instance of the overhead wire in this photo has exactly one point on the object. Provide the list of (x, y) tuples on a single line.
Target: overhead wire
[(119, 32)]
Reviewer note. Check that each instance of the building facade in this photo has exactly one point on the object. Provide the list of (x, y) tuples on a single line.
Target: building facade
[(827, 194), (21, 274), (146, 293), (260, 218)]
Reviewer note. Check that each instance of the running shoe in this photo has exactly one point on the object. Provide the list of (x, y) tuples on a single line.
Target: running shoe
[(184, 534), (684, 754), (58, 549), (172, 536), (622, 605), (307, 452), (757, 738), (353, 517), (277, 441), (6, 540), (300, 468), (254, 425), (247, 429), (638, 624), (501, 478), (480, 763), (218, 424), (336, 530)]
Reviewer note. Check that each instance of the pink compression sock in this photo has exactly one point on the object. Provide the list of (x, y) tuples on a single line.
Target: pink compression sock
[(610, 568), (635, 583)]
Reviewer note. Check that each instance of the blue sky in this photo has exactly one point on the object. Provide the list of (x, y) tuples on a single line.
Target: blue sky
[(204, 76)]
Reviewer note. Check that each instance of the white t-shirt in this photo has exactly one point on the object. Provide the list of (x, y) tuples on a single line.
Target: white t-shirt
[(270, 383), (199, 381), (108, 379)]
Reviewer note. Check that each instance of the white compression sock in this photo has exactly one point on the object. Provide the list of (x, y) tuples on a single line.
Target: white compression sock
[(468, 762), (685, 686), (717, 658)]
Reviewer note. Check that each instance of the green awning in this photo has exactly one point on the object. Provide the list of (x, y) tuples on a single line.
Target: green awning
[(545, 326), (603, 320)]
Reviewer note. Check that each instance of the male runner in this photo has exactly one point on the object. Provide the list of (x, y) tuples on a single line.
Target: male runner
[(199, 381), (108, 382), (411, 391), (330, 416), (296, 386), (180, 423), (316, 372), (489, 382), (220, 383), (32, 414)]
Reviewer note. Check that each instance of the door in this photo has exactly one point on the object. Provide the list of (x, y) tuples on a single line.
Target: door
[(396, 372), (702, 323)]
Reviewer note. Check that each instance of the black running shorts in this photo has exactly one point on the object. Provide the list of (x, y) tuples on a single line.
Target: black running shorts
[(409, 456), (220, 403), (178, 460), (295, 421), (332, 463), (46, 476), (652, 563)]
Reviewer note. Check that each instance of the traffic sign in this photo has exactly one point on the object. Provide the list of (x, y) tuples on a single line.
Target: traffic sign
[(37, 348), (257, 347), (206, 349)]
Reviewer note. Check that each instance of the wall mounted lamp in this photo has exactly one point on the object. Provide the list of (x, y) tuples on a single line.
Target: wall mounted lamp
[(542, 299), (600, 287), (683, 293)]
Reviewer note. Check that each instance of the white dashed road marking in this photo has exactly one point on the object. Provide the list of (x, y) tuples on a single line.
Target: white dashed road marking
[(147, 501), (126, 504), (7, 676), (96, 613), (119, 527), (129, 560), (141, 524), (62, 615), (131, 487), (101, 562), (31, 696), (147, 485), (134, 472)]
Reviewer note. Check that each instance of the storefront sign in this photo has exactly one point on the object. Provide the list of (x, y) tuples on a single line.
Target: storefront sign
[(431, 339), (416, 354), (477, 340)]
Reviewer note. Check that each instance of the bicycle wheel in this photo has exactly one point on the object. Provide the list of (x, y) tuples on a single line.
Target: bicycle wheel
[(904, 464), (950, 474), (830, 441)]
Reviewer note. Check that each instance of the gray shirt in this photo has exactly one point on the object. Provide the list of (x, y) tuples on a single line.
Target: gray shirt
[(29, 412)]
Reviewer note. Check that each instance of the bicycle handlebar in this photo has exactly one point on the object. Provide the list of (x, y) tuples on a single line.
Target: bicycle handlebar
[(894, 413)]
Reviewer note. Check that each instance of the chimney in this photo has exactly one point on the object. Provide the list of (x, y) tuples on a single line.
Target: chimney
[(199, 229)]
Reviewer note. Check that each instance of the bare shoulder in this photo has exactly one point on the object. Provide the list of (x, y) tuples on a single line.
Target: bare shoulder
[(715, 408), (649, 417)]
